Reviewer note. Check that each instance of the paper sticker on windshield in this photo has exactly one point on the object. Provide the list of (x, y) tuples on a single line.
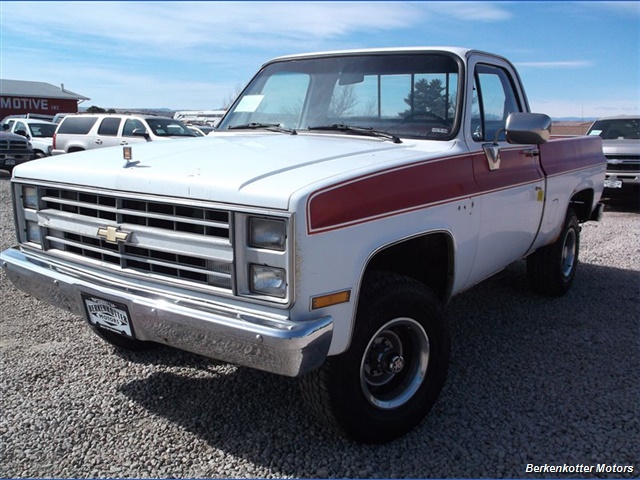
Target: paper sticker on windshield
[(249, 103), (595, 132)]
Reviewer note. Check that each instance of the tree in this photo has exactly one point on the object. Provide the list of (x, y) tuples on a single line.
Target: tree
[(428, 96), (94, 109), (343, 100), (231, 96)]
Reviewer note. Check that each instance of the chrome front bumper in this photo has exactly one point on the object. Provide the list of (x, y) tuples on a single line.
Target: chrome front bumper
[(248, 337)]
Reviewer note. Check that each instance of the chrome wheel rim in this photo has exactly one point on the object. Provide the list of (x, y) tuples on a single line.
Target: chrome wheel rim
[(569, 252), (395, 363)]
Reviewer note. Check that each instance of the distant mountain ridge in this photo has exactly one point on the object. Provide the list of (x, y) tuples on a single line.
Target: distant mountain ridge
[(161, 112)]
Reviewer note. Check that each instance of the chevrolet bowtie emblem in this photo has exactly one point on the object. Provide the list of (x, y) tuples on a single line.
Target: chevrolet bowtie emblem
[(113, 234)]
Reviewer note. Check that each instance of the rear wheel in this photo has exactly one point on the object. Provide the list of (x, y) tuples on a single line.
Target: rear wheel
[(390, 377), (551, 269)]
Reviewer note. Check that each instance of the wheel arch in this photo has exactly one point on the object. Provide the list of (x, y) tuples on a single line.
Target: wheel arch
[(427, 257), (582, 203)]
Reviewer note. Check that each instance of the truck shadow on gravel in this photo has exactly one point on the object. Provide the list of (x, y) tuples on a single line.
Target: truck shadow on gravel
[(628, 201), (532, 380)]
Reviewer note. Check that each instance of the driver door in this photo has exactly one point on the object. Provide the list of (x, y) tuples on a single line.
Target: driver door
[(509, 177)]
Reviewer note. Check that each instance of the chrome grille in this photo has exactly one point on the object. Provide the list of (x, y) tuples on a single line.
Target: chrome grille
[(170, 241), (623, 163), (14, 145)]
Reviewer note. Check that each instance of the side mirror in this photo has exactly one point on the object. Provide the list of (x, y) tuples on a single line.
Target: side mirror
[(21, 132), (528, 128), (141, 132)]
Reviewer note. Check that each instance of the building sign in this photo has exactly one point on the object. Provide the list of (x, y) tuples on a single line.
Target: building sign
[(35, 104), (49, 106)]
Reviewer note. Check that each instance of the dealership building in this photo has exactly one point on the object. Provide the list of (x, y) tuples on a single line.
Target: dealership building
[(20, 97)]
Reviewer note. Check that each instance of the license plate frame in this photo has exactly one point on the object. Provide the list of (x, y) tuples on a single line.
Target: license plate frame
[(612, 183), (107, 314)]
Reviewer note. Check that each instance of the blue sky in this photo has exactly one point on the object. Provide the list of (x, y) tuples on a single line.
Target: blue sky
[(576, 59)]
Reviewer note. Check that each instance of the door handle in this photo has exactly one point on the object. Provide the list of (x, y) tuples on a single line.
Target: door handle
[(99, 142)]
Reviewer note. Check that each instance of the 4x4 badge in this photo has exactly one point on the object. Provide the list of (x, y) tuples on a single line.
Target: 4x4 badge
[(113, 234)]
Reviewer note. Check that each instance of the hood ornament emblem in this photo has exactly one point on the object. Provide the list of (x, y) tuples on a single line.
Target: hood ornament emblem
[(127, 154)]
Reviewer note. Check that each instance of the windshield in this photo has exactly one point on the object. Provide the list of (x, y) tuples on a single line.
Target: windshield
[(41, 130), (408, 95), (168, 127), (617, 129)]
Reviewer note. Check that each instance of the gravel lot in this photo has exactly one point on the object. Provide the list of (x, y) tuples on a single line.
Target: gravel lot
[(533, 380)]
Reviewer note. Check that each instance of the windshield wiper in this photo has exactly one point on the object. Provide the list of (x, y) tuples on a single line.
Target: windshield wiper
[(369, 132), (271, 127)]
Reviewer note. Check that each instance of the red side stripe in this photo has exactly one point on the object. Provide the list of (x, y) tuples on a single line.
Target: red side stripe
[(391, 192), (436, 181), (567, 154)]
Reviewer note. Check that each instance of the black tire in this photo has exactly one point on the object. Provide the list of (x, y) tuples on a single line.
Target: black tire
[(388, 380), (551, 269), (122, 342)]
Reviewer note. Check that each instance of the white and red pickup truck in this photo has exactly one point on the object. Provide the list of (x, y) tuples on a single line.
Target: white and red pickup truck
[(344, 199)]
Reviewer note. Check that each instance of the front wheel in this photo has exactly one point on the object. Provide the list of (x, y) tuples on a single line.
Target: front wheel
[(390, 377), (551, 269)]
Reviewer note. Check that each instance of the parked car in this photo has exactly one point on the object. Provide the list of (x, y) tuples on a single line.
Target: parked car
[(621, 147), (200, 117), (36, 116), (88, 131), (14, 150), (38, 132), (201, 130), (57, 118)]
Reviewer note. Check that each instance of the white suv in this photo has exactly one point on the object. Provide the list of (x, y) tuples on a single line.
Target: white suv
[(87, 131)]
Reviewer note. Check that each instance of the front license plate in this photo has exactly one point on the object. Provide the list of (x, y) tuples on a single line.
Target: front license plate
[(109, 315), (10, 162), (612, 183)]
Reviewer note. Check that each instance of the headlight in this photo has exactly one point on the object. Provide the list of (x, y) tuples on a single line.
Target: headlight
[(30, 197), (267, 233), (269, 281)]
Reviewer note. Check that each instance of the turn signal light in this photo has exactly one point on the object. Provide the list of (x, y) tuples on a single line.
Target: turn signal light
[(331, 299)]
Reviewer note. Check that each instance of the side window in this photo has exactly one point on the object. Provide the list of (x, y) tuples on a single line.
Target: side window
[(109, 126), (494, 98), (76, 125), (130, 125), (21, 126)]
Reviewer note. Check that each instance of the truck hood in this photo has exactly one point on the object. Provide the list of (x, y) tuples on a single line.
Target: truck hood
[(612, 148), (253, 169)]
